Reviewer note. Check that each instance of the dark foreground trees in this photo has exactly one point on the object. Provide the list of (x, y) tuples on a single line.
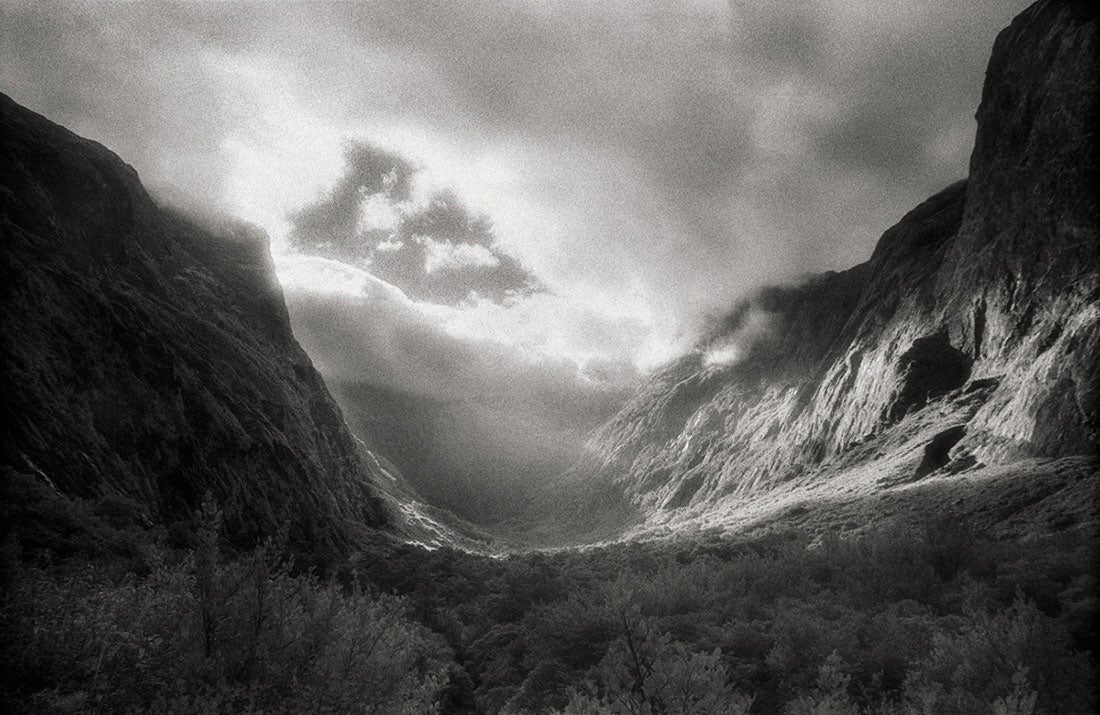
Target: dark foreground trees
[(204, 634), (101, 612)]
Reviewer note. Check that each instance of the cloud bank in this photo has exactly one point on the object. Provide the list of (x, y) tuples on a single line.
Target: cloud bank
[(381, 217)]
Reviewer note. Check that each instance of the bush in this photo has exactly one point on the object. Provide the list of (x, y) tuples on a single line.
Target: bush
[(200, 635), (643, 673), (991, 657), (830, 697), (48, 526)]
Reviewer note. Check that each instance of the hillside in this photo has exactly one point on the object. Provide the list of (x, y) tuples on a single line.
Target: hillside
[(148, 358), (966, 343)]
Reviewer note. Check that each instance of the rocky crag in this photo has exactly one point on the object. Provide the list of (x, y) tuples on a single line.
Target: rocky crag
[(146, 357), (966, 343)]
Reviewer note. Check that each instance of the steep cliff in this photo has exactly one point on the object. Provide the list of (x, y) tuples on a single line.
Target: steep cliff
[(969, 338), (144, 356)]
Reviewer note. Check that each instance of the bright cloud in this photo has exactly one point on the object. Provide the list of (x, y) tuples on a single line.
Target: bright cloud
[(444, 255), (732, 348), (377, 212)]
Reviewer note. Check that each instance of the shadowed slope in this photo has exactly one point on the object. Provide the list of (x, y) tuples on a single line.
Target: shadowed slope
[(144, 356)]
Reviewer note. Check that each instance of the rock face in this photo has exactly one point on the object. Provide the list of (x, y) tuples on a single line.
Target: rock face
[(144, 356), (983, 303)]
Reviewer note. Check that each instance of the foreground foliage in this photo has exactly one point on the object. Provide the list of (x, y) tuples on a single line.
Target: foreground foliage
[(101, 612), (199, 634)]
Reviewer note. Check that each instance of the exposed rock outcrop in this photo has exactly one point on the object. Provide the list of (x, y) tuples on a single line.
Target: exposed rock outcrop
[(144, 356), (982, 305)]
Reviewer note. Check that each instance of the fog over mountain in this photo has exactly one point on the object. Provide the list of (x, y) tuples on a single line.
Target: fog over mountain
[(515, 212)]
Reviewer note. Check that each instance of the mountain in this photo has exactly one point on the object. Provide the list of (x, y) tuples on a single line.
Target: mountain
[(144, 356), (954, 370)]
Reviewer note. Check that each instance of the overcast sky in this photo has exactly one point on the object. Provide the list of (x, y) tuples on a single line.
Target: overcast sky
[(566, 189)]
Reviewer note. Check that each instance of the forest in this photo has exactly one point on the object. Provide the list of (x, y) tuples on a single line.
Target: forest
[(100, 611)]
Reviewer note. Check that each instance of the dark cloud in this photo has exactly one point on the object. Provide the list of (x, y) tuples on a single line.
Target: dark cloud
[(904, 91), (782, 41), (331, 224), (432, 247), (861, 141)]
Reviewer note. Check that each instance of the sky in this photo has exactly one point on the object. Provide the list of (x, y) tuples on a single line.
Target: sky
[(546, 199)]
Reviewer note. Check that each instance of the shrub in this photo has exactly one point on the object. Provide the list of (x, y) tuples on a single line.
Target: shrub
[(830, 697), (990, 656), (952, 546), (201, 635), (644, 673)]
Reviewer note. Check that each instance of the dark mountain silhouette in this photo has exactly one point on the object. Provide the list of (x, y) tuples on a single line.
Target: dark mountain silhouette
[(147, 357)]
